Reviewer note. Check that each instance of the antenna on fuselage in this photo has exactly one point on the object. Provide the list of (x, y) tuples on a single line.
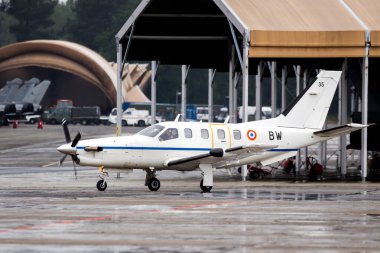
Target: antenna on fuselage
[(177, 118)]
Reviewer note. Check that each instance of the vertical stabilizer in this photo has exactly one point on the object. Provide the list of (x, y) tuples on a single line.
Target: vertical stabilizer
[(310, 108)]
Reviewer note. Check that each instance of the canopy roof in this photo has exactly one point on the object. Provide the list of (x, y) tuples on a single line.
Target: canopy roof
[(197, 32)]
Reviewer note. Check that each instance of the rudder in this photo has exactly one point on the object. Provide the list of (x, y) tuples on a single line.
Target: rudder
[(310, 108)]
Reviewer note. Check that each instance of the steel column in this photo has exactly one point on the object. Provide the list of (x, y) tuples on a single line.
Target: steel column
[(185, 70), (343, 118), (283, 87), (245, 88), (274, 88), (231, 87), (298, 87), (153, 92), (259, 94), (364, 150), (305, 81), (119, 90), (211, 75)]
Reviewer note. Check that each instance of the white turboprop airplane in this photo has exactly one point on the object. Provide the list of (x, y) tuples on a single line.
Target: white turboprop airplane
[(186, 146)]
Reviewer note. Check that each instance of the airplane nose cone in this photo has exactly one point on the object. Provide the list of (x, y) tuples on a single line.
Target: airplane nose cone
[(67, 149)]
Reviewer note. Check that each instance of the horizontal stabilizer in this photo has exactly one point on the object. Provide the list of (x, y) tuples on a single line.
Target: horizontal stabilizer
[(340, 130)]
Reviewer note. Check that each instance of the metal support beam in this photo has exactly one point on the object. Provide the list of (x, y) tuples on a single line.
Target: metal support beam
[(127, 49), (364, 150), (231, 88), (245, 74), (211, 75), (343, 118), (284, 77), (305, 81), (259, 102), (119, 90), (185, 71), (298, 91), (274, 88), (153, 91), (237, 77), (240, 57)]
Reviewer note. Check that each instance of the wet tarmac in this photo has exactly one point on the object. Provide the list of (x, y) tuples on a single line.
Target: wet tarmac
[(50, 211), (43, 208)]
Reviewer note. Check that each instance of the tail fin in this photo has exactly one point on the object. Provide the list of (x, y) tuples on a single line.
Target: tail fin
[(310, 108)]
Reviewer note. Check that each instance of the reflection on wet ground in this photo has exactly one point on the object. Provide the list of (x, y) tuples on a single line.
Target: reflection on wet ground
[(49, 211)]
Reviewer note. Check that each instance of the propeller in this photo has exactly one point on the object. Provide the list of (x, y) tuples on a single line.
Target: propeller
[(74, 143)]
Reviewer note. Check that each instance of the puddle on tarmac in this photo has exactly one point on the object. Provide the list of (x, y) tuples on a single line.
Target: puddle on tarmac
[(277, 194)]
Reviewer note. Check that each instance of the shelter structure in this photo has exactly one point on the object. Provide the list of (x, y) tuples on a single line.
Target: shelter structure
[(74, 70), (249, 37)]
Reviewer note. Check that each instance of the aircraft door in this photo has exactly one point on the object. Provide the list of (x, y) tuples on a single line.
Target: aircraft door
[(221, 136)]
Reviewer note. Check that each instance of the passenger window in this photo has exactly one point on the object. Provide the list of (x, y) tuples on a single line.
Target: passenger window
[(169, 134), (237, 135), (221, 134), (188, 133), (204, 133)]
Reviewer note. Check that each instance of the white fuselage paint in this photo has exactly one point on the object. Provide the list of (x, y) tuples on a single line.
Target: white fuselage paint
[(142, 152)]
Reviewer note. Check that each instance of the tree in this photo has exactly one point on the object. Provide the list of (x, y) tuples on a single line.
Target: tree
[(6, 37), (33, 18), (97, 21)]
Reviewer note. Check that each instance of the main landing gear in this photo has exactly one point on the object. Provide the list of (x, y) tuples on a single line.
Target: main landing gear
[(205, 188), (102, 184), (207, 182), (151, 181)]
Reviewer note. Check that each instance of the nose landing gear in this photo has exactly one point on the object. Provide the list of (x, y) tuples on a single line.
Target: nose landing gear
[(151, 181), (101, 185)]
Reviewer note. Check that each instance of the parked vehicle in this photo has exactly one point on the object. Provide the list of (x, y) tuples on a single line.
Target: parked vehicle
[(84, 115), (202, 113), (133, 117), (266, 112)]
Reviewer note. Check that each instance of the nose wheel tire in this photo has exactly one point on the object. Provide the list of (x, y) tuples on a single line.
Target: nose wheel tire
[(154, 184), (205, 188), (101, 185)]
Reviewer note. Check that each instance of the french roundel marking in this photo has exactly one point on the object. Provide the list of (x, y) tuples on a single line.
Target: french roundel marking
[(251, 134)]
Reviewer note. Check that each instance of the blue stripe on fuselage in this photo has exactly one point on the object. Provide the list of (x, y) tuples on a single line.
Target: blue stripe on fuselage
[(179, 149)]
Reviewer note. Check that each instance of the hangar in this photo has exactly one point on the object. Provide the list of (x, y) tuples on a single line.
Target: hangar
[(275, 38), (74, 70)]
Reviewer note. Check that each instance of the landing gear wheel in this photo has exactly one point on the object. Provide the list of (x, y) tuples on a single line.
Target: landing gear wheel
[(101, 185), (205, 188), (154, 184)]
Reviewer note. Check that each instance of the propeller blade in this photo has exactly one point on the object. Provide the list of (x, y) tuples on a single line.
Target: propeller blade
[(76, 139), (62, 159), (66, 131), (75, 170)]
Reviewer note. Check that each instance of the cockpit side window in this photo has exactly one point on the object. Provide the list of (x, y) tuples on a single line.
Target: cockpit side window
[(151, 131), (169, 134)]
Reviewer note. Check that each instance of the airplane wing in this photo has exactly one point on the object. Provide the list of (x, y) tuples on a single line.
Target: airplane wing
[(218, 157), (340, 130)]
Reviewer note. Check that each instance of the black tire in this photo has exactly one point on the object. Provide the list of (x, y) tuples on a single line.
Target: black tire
[(205, 188), (154, 184), (101, 187), (83, 122), (124, 123), (141, 123), (53, 121), (253, 175), (32, 121)]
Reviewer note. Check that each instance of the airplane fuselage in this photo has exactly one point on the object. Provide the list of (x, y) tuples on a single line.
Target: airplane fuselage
[(193, 138)]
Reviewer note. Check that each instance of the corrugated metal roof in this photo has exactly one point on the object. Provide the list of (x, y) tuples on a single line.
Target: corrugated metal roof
[(300, 28)]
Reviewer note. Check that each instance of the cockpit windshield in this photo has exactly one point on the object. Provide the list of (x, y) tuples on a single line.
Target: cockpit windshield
[(151, 131)]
